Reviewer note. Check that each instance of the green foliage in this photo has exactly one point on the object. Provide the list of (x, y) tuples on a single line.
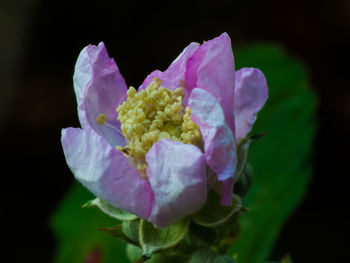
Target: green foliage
[(77, 231), (281, 160)]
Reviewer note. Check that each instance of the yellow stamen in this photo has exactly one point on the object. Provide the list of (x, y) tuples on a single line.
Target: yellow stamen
[(101, 119), (152, 114)]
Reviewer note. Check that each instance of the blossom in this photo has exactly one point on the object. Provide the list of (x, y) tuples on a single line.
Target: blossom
[(148, 151)]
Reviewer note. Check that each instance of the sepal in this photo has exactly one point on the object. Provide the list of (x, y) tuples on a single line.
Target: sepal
[(242, 156), (128, 231), (244, 182), (117, 231), (131, 230), (242, 152), (154, 240), (215, 215), (244, 173), (110, 210)]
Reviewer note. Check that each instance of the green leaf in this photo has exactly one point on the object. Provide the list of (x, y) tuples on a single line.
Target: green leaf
[(77, 234), (110, 210), (213, 214), (157, 239), (281, 159), (208, 256)]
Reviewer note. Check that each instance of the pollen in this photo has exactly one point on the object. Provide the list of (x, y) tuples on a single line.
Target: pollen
[(101, 119), (152, 114)]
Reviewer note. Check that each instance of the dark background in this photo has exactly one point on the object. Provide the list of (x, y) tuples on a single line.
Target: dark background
[(40, 41)]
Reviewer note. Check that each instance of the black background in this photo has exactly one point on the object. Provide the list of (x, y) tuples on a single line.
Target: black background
[(40, 41)]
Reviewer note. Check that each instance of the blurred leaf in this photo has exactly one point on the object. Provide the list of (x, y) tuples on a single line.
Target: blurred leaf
[(281, 160), (77, 232)]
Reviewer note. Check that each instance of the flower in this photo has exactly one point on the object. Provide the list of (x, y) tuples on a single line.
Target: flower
[(148, 152)]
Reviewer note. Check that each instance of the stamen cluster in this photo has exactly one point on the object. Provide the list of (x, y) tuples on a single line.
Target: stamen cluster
[(152, 114)]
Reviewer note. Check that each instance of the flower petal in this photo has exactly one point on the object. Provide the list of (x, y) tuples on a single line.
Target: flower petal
[(99, 88), (219, 143), (172, 77), (176, 173), (106, 172), (226, 191), (250, 97), (211, 68)]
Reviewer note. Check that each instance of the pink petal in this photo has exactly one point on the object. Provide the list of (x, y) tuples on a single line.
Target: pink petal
[(226, 192), (106, 172), (172, 77), (99, 88), (176, 173), (250, 97), (211, 68), (219, 143)]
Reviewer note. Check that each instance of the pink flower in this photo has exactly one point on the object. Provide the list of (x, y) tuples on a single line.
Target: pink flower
[(223, 105)]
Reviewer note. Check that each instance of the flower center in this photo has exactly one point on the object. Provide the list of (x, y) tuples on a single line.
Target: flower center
[(152, 114)]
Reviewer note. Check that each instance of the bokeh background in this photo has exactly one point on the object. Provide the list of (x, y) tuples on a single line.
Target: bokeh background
[(40, 41)]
